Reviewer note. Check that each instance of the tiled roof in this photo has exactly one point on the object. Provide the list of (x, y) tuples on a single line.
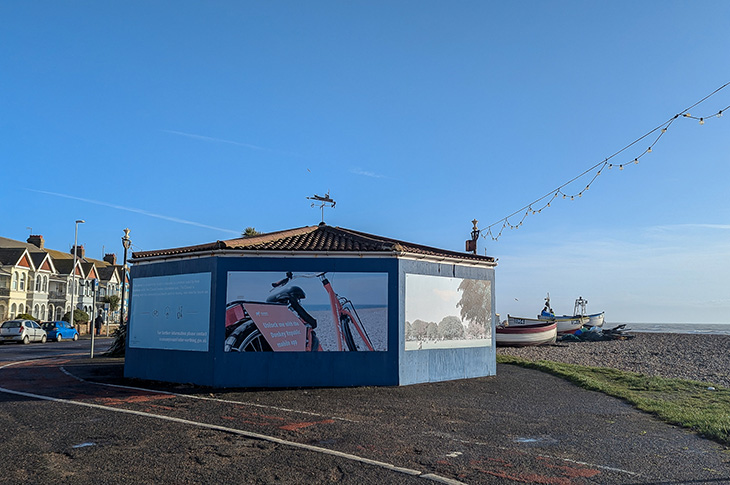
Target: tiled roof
[(106, 272), (321, 238), (62, 261), (10, 255), (63, 266)]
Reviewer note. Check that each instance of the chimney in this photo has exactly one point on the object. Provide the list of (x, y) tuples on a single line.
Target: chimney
[(111, 258), (36, 241), (79, 251)]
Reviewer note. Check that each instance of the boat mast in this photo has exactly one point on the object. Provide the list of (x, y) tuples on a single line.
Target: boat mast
[(580, 306)]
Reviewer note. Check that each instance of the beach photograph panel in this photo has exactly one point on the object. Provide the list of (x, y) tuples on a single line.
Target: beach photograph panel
[(252, 306)]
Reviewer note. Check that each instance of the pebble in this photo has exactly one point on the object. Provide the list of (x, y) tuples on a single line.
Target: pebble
[(704, 358)]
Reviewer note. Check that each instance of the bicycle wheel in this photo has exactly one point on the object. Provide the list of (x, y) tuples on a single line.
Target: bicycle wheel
[(249, 339), (347, 332), (315, 347)]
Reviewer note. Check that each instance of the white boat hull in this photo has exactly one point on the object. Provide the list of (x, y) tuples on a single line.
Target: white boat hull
[(566, 323), (513, 321), (520, 335), (595, 320)]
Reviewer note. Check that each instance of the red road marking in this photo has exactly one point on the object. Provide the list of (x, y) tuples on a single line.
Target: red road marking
[(116, 401), (298, 426)]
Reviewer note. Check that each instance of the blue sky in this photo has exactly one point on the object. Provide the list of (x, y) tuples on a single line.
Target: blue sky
[(189, 121)]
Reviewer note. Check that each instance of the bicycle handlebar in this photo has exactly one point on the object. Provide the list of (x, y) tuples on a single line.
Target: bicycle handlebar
[(290, 276)]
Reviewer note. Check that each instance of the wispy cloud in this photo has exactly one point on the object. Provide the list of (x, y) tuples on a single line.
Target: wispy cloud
[(136, 211), (229, 142), (215, 140), (682, 227), (365, 173)]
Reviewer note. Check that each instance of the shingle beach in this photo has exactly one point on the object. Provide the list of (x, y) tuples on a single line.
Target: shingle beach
[(695, 357)]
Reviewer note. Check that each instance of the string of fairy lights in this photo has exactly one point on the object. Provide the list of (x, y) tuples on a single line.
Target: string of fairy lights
[(608, 163)]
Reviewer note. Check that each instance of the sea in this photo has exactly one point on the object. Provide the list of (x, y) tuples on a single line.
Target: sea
[(692, 328)]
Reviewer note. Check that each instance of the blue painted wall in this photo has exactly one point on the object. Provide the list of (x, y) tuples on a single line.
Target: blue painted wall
[(308, 369), (433, 365), (268, 369), (172, 365)]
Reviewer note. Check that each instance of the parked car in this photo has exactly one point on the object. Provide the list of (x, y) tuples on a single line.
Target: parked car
[(24, 331), (60, 330)]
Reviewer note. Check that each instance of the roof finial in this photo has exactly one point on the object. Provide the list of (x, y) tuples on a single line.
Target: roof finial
[(471, 244), (325, 200)]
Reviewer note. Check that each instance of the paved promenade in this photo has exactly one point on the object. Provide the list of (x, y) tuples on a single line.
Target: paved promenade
[(522, 426)]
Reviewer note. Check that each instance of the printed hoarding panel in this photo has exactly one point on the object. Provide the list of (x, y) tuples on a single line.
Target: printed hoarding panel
[(171, 312), (446, 313), (268, 311)]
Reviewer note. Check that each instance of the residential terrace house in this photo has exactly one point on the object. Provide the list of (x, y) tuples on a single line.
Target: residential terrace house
[(38, 280)]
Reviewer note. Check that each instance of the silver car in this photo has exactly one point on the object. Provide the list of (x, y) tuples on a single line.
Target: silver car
[(24, 331)]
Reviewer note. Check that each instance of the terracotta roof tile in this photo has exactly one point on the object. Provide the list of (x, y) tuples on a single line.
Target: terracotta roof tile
[(321, 238)]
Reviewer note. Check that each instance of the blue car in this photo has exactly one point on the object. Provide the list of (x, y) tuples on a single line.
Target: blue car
[(60, 330)]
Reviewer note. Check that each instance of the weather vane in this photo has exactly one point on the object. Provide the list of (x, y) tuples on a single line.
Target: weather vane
[(324, 201)]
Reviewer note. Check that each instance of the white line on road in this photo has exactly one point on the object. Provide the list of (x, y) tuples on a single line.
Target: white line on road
[(248, 434)]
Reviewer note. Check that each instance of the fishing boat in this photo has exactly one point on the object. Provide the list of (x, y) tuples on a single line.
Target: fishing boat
[(514, 321), (566, 323), (594, 320), (522, 335)]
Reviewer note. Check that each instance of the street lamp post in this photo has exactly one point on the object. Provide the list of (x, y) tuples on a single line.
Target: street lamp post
[(126, 242), (94, 285), (73, 271)]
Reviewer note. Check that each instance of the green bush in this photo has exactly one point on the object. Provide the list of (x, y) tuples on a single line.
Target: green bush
[(80, 317), (27, 316)]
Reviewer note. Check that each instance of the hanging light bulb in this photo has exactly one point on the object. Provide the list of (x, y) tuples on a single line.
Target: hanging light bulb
[(599, 173), (610, 165), (664, 130), (702, 121), (587, 187), (686, 115), (719, 114), (580, 194), (563, 196), (572, 198), (620, 167), (548, 204), (636, 161), (648, 150)]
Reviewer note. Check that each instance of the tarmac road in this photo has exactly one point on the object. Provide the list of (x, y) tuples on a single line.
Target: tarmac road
[(522, 426)]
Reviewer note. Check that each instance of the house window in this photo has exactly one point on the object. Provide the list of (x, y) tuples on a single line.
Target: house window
[(22, 282), (36, 311), (45, 284), (15, 281), (21, 308), (13, 309)]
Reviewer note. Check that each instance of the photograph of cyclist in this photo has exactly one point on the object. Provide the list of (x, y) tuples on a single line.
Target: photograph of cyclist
[(290, 311), (444, 313)]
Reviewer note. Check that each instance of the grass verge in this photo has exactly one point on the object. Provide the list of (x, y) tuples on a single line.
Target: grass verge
[(688, 404)]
